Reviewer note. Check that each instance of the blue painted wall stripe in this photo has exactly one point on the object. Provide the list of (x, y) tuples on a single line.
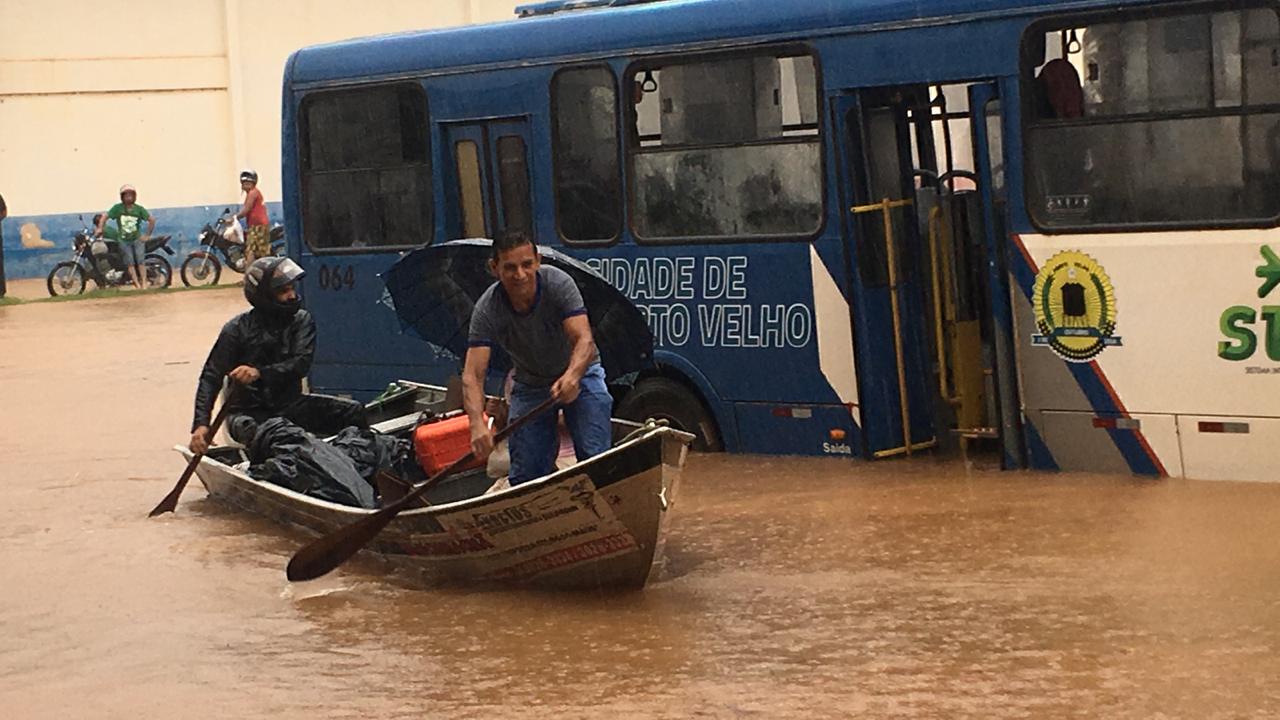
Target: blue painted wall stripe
[(183, 223)]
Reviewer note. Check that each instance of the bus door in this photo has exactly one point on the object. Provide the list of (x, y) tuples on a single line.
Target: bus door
[(988, 153), (490, 161), (885, 248), (954, 197), (960, 211)]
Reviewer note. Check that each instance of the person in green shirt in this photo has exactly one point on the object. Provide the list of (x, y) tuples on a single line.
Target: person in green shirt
[(128, 216)]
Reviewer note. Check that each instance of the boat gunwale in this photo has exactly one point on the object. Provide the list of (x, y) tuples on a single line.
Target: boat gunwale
[(356, 513)]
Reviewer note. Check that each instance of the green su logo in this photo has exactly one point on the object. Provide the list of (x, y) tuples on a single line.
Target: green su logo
[(1237, 322)]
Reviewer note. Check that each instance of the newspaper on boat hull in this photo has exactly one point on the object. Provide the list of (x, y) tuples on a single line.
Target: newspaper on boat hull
[(599, 523)]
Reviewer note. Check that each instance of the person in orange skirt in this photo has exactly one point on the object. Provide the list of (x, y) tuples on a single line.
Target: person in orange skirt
[(257, 243)]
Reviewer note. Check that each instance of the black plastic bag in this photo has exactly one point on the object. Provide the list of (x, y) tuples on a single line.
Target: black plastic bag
[(371, 450), (285, 454)]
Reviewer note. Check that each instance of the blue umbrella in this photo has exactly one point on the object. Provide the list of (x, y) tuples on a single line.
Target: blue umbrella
[(434, 289)]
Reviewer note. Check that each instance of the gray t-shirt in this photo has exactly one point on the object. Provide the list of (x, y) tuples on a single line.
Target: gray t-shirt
[(535, 340)]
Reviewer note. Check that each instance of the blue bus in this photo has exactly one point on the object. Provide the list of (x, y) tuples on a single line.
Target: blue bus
[(857, 227)]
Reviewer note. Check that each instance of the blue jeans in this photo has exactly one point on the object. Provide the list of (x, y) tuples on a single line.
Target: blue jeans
[(534, 447), (134, 252)]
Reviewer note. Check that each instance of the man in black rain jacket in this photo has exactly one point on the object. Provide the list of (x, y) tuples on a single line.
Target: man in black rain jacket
[(267, 351)]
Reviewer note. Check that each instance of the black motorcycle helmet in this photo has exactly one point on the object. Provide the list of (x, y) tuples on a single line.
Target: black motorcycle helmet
[(250, 175), (267, 275)]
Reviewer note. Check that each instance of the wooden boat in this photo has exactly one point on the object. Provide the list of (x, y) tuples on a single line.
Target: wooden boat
[(594, 524)]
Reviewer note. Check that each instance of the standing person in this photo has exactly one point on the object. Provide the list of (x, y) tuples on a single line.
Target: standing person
[(4, 213), (267, 351), (536, 314), (128, 215), (254, 211)]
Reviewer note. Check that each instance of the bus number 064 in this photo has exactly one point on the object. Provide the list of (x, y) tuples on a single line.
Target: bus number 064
[(337, 277)]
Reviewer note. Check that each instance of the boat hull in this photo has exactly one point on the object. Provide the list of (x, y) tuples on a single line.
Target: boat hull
[(595, 524)]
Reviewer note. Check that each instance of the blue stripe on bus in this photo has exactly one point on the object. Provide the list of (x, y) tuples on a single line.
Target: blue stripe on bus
[(1040, 456), (1096, 389)]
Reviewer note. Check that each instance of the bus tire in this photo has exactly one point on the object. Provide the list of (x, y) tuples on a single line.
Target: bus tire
[(665, 399)]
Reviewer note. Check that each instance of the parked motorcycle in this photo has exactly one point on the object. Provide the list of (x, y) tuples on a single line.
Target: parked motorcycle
[(102, 261), (223, 237)]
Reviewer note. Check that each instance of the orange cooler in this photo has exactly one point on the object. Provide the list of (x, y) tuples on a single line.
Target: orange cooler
[(440, 443)]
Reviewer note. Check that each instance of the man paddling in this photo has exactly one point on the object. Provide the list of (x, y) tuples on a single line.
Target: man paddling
[(267, 351), (536, 314)]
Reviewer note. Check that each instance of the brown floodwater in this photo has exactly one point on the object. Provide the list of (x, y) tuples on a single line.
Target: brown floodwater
[(796, 588)]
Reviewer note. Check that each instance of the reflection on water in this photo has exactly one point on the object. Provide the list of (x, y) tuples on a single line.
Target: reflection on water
[(794, 588)]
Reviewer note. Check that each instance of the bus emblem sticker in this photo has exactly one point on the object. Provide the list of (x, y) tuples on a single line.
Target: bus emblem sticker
[(1075, 307)]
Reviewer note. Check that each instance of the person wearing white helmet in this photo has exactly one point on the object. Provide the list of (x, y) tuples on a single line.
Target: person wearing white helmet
[(129, 216), (257, 242), (266, 352)]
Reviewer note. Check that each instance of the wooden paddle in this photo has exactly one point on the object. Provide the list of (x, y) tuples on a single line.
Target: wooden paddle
[(330, 551), (170, 501)]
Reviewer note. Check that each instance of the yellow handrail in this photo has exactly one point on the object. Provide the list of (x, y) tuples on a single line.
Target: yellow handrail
[(935, 229), (886, 206)]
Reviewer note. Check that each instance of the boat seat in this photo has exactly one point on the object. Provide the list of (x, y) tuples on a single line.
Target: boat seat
[(391, 488)]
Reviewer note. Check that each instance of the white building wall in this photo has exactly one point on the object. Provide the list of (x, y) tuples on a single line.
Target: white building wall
[(297, 23), (88, 102), (173, 97)]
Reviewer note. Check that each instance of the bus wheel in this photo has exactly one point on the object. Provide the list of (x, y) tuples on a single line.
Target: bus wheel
[(665, 399)]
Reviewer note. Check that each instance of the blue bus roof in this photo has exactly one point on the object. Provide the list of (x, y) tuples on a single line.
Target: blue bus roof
[(636, 26)]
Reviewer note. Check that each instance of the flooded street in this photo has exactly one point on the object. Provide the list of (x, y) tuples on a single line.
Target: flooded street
[(796, 588)]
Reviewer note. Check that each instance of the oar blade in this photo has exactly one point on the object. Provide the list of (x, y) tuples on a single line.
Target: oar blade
[(327, 552), (170, 501), (168, 504)]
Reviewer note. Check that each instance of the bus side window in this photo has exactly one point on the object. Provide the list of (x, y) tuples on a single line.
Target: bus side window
[(1174, 122), (588, 179), (365, 166), (725, 147), (513, 177), (470, 190)]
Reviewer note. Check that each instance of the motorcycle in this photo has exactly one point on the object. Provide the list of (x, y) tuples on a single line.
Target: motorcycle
[(102, 261), (223, 237)]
